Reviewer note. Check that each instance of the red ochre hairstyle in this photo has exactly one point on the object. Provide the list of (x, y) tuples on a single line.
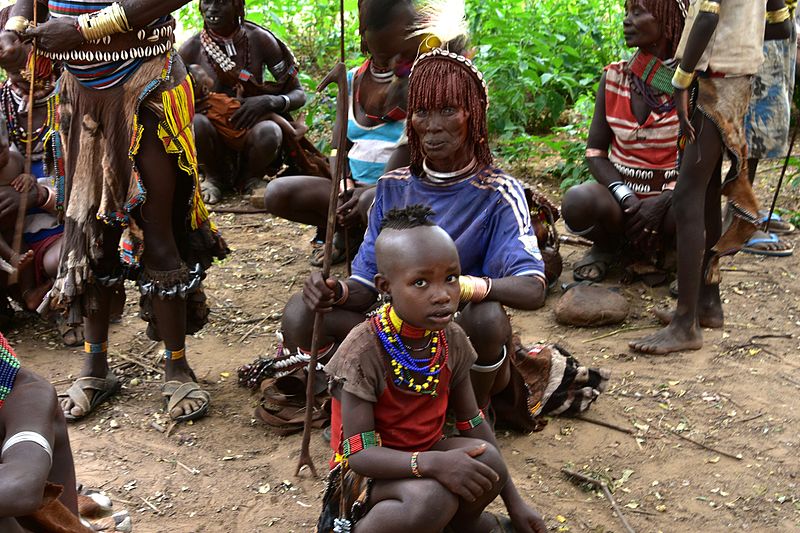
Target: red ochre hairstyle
[(438, 81)]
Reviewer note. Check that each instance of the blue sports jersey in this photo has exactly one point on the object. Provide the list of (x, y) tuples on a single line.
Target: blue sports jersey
[(486, 215)]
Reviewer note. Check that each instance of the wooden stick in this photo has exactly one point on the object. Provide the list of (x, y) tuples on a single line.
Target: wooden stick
[(146, 366), (16, 245), (705, 446), (610, 497), (150, 505), (571, 239), (252, 329), (620, 330), (605, 424), (237, 210), (339, 76)]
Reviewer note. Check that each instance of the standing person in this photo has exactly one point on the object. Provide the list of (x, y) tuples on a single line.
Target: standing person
[(719, 71), (767, 127), (394, 378), (633, 141), (375, 124), (129, 190), (248, 62), (37, 474)]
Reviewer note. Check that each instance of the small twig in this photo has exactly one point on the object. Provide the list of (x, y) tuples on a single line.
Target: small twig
[(610, 497), (150, 348), (245, 226), (749, 418), (146, 366), (120, 500), (741, 270), (605, 424), (237, 210), (158, 427), (790, 380), (150, 505), (251, 330), (642, 511), (706, 447), (621, 330), (192, 471), (770, 336), (577, 241)]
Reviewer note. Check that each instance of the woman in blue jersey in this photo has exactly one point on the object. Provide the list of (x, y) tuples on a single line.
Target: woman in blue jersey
[(375, 125), (127, 187)]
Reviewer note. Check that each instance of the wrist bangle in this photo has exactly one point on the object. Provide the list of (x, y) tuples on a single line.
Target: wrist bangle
[(777, 16), (286, 103), (345, 293), (709, 6), (682, 79), (107, 21), (415, 465), (620, 191)]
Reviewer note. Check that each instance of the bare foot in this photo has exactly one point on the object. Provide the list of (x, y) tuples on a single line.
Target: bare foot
[(708, 318), (210, 192), (23, 260), (670, 339)]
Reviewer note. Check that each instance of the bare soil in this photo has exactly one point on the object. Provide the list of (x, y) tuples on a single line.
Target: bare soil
[(737, 397)]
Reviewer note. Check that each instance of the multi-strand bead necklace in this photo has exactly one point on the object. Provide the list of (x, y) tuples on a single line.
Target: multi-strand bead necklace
[(9, 366), (404, 365)]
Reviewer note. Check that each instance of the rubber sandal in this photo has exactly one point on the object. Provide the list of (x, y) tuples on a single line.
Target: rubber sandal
[(593, 258), (772, 239), (105, 388), (175, 392), (318, 254), (782, 228)]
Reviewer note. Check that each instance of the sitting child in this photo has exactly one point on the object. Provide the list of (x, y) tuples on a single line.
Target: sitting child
[(392, 379), (11, 175), (37, 475)]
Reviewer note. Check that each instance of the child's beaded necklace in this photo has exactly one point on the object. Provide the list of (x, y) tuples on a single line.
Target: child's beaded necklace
[(9, 366), (388, 327)]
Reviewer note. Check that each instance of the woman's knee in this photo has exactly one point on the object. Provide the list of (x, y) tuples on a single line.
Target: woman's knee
[(265, 137), (295, 323), (279, 194), (487, 326), (583, 205)]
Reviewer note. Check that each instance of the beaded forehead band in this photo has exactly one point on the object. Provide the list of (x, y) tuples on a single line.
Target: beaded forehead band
[(465, 63)]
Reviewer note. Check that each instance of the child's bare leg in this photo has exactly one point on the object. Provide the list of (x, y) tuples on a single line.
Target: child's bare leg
[(709, 311), (469, 517), (700, 160), (403, 505)]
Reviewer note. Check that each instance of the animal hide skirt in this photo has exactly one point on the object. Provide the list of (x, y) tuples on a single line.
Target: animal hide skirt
[(95, 141)]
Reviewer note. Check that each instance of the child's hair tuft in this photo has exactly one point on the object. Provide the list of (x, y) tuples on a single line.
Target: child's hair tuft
[(413, 216)]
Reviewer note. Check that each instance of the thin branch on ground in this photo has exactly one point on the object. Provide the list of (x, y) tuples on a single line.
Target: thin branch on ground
[(604, 487)]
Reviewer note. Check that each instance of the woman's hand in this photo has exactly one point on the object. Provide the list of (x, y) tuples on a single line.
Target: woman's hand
[(681, 98), (56, 35), (318, 293), (253, 110), (459, 471), (644, 219), (347, 214), (525, 519)]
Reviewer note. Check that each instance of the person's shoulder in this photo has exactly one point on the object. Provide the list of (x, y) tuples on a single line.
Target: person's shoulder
[(398, 174), (261, 36), (497, 180)]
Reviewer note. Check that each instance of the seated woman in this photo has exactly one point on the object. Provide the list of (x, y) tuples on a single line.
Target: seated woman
[(393, 379), (375, 125), (37, 475), (632, 149)]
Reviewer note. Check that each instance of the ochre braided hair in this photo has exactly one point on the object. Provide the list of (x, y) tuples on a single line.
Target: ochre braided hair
[(439, 81), (671, 15)]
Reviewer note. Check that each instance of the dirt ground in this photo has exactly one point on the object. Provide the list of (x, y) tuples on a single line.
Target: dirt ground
[(708, 436)]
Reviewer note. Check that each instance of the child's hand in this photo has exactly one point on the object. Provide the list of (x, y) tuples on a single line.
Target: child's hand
[(525, 519), (459, 472), (23, 183)]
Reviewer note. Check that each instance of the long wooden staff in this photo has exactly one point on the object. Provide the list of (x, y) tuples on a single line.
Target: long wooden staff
[(23, 200), (338, 76), (780, 181)]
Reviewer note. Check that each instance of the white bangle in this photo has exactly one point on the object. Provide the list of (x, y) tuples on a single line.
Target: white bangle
[(490, 368), (27, 436), (286, 103)]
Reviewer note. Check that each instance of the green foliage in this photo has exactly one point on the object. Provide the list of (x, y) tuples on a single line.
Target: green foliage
[(541, 58)]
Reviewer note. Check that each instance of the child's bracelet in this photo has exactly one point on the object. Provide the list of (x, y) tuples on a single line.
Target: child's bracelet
[(473, 422), (359, 442), (415, 465)]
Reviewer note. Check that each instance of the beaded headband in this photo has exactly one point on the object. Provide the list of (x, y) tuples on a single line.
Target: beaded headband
[(457, 59)]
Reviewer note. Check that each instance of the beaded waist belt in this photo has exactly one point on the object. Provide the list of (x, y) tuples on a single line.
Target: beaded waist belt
[(643, 180), (146, 42)]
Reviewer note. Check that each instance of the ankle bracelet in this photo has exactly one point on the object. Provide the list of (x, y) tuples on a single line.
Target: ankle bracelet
[(172, 355), (95, 347)]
